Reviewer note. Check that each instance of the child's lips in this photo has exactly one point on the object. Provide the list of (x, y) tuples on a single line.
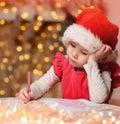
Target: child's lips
[(72, 61)]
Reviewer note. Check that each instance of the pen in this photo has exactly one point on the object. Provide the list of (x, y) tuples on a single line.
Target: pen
[(28, 77)]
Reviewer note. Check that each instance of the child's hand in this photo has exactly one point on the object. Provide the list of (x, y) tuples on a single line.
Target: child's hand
[(25, 95), (101, 54)]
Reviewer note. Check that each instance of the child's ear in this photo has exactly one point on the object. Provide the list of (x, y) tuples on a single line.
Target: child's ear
[(115, 97)]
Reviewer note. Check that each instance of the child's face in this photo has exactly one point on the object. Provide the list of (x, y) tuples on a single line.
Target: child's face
[(77, 55)]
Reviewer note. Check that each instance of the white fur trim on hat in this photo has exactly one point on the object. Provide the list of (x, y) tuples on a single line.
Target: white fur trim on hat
[(82, 36)]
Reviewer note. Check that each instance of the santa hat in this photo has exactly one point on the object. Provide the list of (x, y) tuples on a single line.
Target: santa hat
[(91, 30)]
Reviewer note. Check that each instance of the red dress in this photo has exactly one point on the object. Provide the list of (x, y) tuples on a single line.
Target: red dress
[(75, 84)]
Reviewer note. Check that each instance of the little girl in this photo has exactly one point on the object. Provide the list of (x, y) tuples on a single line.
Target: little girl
[(89, 69)]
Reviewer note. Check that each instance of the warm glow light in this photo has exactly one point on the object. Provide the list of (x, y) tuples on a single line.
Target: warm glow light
[(36, 28), (39, 7), (27, 56), (21, 57), (43, 34), (2, 3), (2, 92), (54, 36), (19, 48), (58, 27), (104, 122), (92, 6), (58, 4), (46, 59), (5, 60), (96, 116), (34, 61), (51, 47), (1, 43), (54, 14), (36, 72), (23, 28), (14, 9), (60, 39), (39, 24), (56, 44), (2, 66), (40, 18), (79, 11), (39, 66), (16, 94), (40, 46), (25, 15), (78, 122), (6, 80), (11, 76), (2, 22), (20, 37), (61, 49), (7, 52), (113, 119), (40, 73), (83, 6), (10, 68), (5, 10), (50, 28), (23, 119)]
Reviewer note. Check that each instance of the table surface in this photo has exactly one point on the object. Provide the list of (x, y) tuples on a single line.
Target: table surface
[(54, 110)]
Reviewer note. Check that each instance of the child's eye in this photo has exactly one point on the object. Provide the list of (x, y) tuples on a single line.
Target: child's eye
[(72, 45), (84, 53)]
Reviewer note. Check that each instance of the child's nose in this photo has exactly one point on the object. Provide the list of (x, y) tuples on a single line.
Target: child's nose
[(75, 54)]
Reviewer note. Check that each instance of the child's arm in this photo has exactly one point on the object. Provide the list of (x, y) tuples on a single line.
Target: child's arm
[(39, 87), (99, 83), (42, 85)]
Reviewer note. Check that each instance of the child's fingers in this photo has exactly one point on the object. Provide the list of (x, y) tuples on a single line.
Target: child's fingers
[(24, 95), (31, 95), (106, 48), (24, 98)]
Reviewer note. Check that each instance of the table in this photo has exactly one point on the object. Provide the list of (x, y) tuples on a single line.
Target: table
[(57, 111)]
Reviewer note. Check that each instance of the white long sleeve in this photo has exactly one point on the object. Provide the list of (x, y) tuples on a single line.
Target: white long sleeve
[(42, 85), (99, 83)]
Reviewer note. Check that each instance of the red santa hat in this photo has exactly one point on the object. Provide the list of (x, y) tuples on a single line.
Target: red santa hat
[(91, 30)]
